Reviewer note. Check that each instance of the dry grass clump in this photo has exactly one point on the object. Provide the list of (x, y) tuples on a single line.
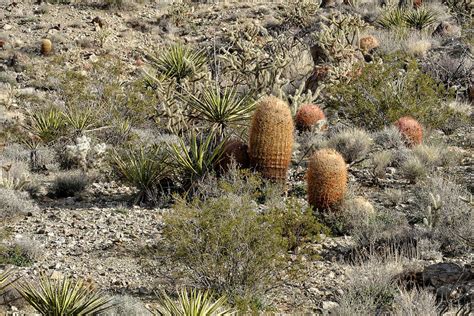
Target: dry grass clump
[(353, 144), (13, 203)]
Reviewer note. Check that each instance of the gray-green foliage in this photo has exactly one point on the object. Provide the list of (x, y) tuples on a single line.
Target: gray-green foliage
[(223, 243), (14, 203)]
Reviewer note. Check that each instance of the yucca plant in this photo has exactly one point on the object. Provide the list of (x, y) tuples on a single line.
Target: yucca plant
[(178, 62), (393, 18), (420, 18), (80, 120), (5, 280), (220, 108), (143, 168), (63, 297), (198, 158), (46, 124), (194, 303)]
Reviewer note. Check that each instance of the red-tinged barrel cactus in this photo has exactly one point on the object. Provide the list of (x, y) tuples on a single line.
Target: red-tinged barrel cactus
[(271, 138), (237, 150), (411, 130), (46, 46), (307, 116), (326, 178)]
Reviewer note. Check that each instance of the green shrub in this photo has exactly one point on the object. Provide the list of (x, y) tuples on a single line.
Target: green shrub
[(15, 255), (69, 184), (296, 223), (386, 92), (419, 19), (223, 244)]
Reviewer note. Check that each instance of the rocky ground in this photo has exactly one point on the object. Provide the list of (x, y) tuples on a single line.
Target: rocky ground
[(97, 235)]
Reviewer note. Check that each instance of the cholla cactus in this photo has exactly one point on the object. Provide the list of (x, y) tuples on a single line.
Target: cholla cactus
[(84, 155)]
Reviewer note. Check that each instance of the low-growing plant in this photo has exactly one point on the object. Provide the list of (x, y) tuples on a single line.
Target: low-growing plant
[(13, 203), (46, 124), (223, 244), (144, 168), (353, 144), (58, 297), (196, 159), (222, 108), (385, 92), (69, 184), (193, 303), (297, 223), (380, 161), (178, 62), (80, 120), (15, 255), (124, 305), (413, 169), (415, 302), (419, 19)]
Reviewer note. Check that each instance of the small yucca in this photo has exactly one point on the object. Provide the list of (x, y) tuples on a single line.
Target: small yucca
[(194, 303), (63, 297)]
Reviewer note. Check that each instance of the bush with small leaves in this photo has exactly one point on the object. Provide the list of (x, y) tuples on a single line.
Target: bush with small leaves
[(21, 252), (413, 169), (385, 92), (14, 203), (353, 144), (444, 210), (223, 244), (380, 161), (389, 137), (69, 184), (415, 302)]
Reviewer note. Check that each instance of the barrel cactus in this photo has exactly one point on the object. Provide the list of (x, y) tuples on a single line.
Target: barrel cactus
[(271, 138), (46, 46), (368, 43), (237, 150), (410, 129), (307, 116), (326, 178)]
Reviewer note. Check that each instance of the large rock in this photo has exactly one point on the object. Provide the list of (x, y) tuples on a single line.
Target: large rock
[(441, 274), (446, 29)]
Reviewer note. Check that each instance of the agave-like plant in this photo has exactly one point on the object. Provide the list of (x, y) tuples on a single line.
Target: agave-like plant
[(143, 168), (178, 62), (194, 303), (199, 157), (221, 108), (46, 124), (59, 297), (393, 18), (5, 280), (420, 18), (80, 119)]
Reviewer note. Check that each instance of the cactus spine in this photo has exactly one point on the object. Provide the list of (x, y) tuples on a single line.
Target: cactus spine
[(327, 179), (271, 138)]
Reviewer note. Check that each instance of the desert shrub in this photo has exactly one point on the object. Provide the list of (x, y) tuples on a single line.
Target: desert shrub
[(385, 92), (21, 253), (68, 184), (370, 288), (13, 175), (223, 244), (62, 297), (127, 306), (300, 13), (145, 168), (413, 169), (193, 303), (389, 137), (296, 223), (13, 203), (414, 302), (353, 144), (380, 161), (47, 124), (444, 211)]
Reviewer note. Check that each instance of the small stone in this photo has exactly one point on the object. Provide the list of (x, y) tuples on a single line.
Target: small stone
[(7, 27), (328, 305)]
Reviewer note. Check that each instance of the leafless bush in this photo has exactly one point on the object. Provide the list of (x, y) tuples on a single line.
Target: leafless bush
[(13, 203), (389, 137), (444, 211), (415, 302)]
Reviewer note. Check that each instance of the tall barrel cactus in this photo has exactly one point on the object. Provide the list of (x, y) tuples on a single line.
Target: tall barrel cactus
[(271, 138), (327, 179)]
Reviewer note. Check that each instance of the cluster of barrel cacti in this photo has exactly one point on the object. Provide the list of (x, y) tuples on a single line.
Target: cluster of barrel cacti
[(270, 147)]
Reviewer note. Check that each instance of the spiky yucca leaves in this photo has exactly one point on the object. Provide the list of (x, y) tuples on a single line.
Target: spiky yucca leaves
[(80, 120), (178, 62), (271, 138), (327, 179), (63, 297), (5, 280), (420, 18), (220, 108), (394, 18), (46, 124), (197, 158), (143, 168), (194, 303)]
